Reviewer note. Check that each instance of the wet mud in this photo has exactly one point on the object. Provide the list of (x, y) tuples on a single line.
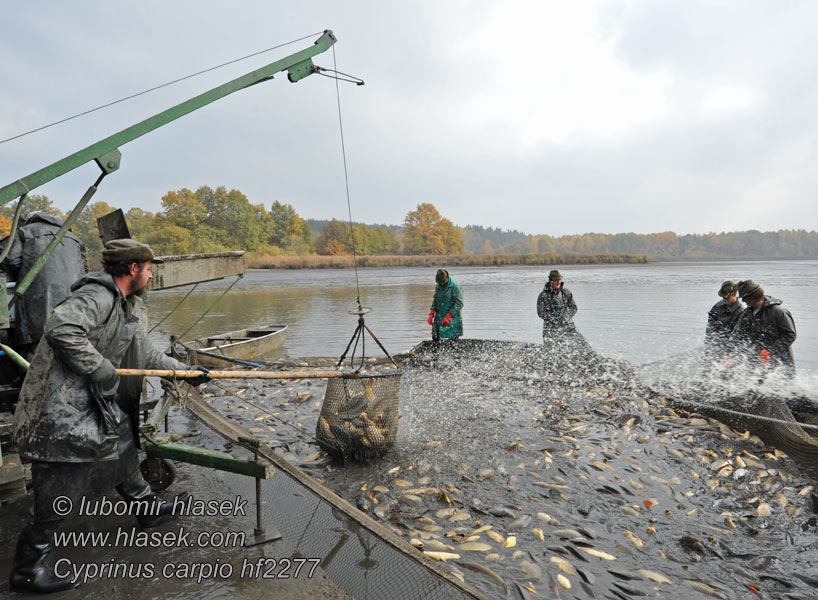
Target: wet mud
[(552, 475)]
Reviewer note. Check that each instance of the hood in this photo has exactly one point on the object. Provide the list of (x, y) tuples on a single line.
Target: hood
[(98, 277), (771, 301), (548, 286), (43, 217)]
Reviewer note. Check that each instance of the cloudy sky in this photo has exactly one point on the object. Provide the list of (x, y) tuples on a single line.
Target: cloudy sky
[(545, 117)]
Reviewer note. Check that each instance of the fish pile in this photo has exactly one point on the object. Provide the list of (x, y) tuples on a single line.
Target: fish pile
[(356, 420), (531, 480)]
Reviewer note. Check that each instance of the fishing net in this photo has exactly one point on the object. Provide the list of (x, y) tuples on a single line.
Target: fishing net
[(740, 397), (359, 416)]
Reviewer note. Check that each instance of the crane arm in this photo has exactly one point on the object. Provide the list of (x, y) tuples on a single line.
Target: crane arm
[(106, 152)]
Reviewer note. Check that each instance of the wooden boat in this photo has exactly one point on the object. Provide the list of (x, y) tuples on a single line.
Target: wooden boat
[(241, 345)]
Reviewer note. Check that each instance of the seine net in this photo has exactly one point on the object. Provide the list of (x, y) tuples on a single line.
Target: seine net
[(359, 416)]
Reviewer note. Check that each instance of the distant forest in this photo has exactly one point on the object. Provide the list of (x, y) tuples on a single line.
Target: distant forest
[(784, 243), (752, 244), (218, 220)]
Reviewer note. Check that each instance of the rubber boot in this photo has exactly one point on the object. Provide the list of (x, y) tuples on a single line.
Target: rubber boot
[(29, 572), (154, 511)]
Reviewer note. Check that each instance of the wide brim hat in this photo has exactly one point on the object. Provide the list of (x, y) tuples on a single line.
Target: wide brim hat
[(128, 250), (747, 288), (554, 275), (727, 288)]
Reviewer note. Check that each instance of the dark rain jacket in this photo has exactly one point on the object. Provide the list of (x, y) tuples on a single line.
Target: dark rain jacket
[(52, 284), (61, 415), (556, 307), (720, 321), (772, 327), (448, 299)]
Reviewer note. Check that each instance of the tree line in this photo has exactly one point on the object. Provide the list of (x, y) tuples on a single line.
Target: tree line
[(219, 220)]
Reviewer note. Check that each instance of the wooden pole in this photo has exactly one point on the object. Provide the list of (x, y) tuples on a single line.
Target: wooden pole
[(184, 374)]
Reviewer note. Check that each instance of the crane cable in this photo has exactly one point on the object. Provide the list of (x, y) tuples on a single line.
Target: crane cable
[(346, 180), (158, 87)]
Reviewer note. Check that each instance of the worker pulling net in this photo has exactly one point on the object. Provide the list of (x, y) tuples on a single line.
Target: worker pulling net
[(359, 416)]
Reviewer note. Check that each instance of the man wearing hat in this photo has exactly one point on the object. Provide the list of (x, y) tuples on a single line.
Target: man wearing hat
[(721, 318), (765, 330), (53, 282), (444, 316), (75, 420), (556, 307)]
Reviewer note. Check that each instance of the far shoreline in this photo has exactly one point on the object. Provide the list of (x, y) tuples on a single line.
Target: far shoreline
[(265, 263)]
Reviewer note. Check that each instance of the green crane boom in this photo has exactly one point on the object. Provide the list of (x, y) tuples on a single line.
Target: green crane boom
[(106, 152)]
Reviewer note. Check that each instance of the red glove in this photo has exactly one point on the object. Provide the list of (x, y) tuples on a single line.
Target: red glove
[(765, 357), (431, 317), (726, 362), (446, 320)]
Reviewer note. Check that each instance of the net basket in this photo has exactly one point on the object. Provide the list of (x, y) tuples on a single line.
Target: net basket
[(359, 417)]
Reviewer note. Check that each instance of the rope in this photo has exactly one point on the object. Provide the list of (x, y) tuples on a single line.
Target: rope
[(158, 87), (174, 308), (211, 307), (346, 179), (738, 413)]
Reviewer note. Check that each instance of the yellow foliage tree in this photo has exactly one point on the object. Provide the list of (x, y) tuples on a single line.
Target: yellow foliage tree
[(428, 233)]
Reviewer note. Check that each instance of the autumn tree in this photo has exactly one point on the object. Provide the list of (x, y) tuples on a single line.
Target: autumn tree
[(183, 208), (287, 230), (426, 232), (32, 203), (335, 240), (240, 223), (85, 228), (140, 222)]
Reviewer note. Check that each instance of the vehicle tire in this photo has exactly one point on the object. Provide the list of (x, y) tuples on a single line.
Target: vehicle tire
[(163, 474)]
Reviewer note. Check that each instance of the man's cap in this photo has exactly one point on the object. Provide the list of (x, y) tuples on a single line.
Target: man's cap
[(128, 250), (727, 288), (554, 275), (747, 288), (441, 276)]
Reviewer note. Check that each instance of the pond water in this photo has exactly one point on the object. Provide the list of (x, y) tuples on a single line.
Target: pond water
[(639, 313), (587, 480)]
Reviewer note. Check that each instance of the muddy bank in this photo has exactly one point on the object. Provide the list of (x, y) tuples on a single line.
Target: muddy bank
[(531, 477)]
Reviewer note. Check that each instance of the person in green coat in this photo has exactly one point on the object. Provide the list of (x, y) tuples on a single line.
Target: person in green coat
[(444, 316)]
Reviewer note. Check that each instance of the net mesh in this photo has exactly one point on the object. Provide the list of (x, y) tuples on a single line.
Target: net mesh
[(359, 417), (361, 556)]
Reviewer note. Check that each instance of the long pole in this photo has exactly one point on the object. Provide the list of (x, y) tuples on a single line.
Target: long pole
[(184, 374)]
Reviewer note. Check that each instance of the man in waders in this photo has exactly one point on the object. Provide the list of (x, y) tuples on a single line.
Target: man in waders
[(556, 307), (765, 330), (75, 420), (721, 319), (444, 316)]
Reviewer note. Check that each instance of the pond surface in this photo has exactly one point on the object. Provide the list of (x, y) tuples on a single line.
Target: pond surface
[(635, 312), (592, 486)]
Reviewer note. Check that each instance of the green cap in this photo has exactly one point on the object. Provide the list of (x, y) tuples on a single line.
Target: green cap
[(554, 275), (128, 250), (727, 288), (747, 288)]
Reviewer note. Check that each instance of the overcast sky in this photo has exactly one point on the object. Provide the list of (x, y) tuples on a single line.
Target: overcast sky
[(545, 117)]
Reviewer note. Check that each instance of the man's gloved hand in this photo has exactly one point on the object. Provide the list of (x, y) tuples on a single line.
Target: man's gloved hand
[(446, 320), (105, 373), (765, 357), (199, 379), (431, 317)]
